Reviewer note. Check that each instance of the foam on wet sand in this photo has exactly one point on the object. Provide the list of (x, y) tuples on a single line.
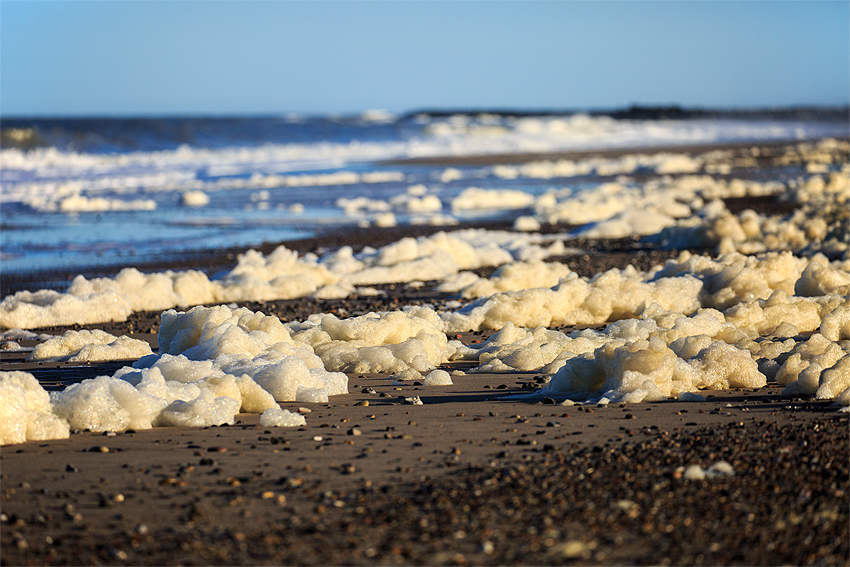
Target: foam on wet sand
[(772, 306)]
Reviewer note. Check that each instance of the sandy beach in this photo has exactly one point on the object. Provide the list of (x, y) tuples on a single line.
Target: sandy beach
[(466, 478), (475, 475)]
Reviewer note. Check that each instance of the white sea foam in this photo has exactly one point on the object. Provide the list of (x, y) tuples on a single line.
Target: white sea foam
[(81, 204), (695, 323), (49, 175), (90, 346), (280, 275), (194, 199), (25, 411)]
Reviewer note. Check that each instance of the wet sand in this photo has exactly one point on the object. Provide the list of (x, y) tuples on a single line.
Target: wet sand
[(472, 476), (469, 477), (475, 475)]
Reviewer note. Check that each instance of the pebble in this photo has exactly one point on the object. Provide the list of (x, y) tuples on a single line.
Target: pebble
[(413, 401), (354, 431), (362, 403)]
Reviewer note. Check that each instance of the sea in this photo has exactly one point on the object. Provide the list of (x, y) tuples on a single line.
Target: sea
[(79, 193)]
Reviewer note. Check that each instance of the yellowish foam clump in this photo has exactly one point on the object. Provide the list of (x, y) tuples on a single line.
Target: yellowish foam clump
[(106, 403), (241, 342), (26, 413), (277, 417), (662, 355), (280, 275), (610, 296), (90, 346), (834, 382), (803, 370), (475, 198), (515, 276), (149, 292), (45, 308), (203, 411), (377, 342)]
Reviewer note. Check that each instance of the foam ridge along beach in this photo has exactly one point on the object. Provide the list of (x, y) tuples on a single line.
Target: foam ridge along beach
[(771, 306), (459, 352)]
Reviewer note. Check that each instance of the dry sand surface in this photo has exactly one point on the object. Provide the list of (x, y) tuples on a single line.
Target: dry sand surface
[(475, 475)]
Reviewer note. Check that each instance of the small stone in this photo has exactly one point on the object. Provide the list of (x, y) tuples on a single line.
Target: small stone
[(413, 401), (99, 449), (362, 403), (71, 468), (367, 390), (573, 549), (354, 431)]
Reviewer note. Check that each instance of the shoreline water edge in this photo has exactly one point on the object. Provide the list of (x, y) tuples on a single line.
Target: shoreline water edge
[(651, 369)]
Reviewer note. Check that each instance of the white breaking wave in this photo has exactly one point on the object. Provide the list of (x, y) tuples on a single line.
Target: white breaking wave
[(47, 175)]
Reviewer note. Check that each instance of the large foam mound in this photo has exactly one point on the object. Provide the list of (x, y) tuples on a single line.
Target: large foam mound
[(664, 353), (241, 342), (214, 363)]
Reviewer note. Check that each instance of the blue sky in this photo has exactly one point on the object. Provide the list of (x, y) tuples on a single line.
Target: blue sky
[(142, 58)]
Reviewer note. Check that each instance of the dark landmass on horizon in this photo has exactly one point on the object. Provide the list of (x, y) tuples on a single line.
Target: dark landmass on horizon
[(156, 132), (662, 112)]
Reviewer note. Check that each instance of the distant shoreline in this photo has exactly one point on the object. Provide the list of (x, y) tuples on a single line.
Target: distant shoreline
[(608, 153), (825, 113), (213, 260)]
